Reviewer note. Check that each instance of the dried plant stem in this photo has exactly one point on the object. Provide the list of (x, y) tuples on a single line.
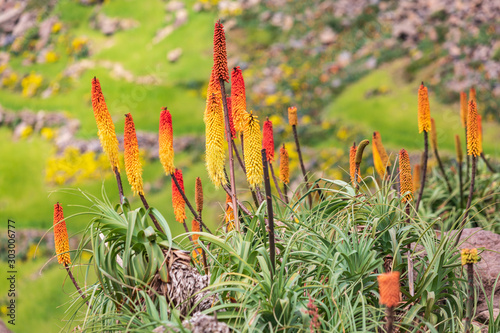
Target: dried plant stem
[(424, 169), (70, 274), (487, 163), (470, 297), (460, 181), (119, 182), (242, 207), (469, 199), (285, 193), (411, 280), (187, 231), (436, 153), (390, 319), (356, 176), (231, 159), (276, 182), (155, 221), (196, 216), (299, 152), (270, 215)]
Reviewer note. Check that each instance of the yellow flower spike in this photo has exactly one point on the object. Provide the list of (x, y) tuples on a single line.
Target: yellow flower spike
[(61, 236), (292, 115), (133, 165), (252, 141), (284, 165), (105, 125), (472, 130), (166, 142), (406, 183), (424, 112), (463, 109), (214, 145), (458, 148), (238, 99), (469, 256)]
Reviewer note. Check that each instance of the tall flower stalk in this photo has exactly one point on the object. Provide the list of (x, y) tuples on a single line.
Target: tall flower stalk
[(352, 165), (270, 215), (359, 158), (221, 73), (480, 132), (106, 132), (268, 145), (463, 119), (469, 257), (62, 246), (424, 125), (252, 139), (458, 148), (389, 291), (284, 170), (406, 188), (178, 202), (133, 165), (473, 151), (293, 121), (380, 154), (436, 153)]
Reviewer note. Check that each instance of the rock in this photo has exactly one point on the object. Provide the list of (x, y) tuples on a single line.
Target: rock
[(44, 31), (9, 16), (201, 323), (26, 21), (344, 58), (174, 6), (327, 36), (181, 17), (162, 33), (174, 55), (488, 268)]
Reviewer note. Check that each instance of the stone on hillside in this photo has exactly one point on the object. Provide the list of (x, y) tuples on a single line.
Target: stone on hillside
[(201, 323), (163, 33), (488, 269), (327, 36), (174, 6), (174, 55), (181, 17), (44, 31), (26, 21)]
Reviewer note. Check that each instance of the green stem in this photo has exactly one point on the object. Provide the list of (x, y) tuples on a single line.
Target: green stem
[(270, 215), (460, 180), (301, 161), (119, 182)]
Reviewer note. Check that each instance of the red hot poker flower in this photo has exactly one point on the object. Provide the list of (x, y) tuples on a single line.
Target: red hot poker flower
[(268, 140), (220, 55), (177, 199)]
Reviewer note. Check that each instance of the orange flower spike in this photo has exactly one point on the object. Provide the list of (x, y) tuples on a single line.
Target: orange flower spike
[(472, 130), (292, 116), (480, 133), (416, 177), (195, 227), (166, 142), (388, 284), (406, 183), (268, 140), (463, 109), (352, 163), (252, 141), (220, 55), (284, 165), (214, 144), (61, 236), (105, 125), (424, 112), (238, 99), (377, 141), (133, 165), (472, 95), (231, 117), (198, 195), (177, 199)]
